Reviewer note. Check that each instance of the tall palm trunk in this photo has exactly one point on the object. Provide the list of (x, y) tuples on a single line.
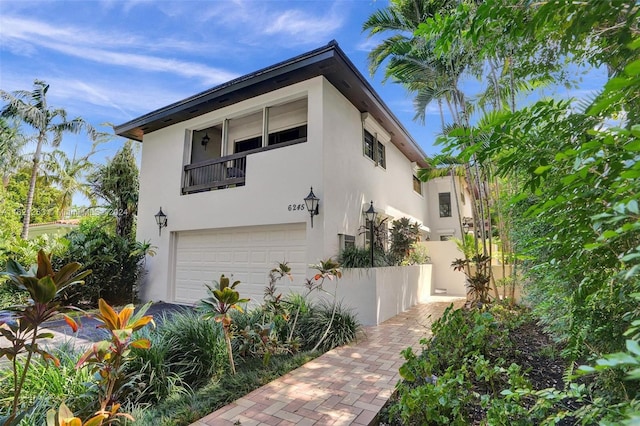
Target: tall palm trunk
[(32, 185)]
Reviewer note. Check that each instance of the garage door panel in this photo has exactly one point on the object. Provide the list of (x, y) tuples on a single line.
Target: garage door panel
[(248, 253)]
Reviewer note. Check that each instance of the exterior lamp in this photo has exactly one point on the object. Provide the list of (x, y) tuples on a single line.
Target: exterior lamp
[(313, 204), (161, 220), (205, 140), (465, 227), (371, 217)]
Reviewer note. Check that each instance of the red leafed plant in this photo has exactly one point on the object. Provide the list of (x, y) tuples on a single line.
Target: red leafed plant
[(23, 333), (107, 358)]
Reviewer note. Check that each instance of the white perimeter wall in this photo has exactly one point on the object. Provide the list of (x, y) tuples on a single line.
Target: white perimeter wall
[(445, 281), (377, 294)]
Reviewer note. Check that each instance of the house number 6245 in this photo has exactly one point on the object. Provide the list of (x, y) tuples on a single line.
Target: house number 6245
[(294, 207)]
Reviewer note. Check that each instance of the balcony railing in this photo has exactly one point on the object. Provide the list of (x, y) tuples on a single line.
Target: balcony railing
[(218, 173), (223, 172)]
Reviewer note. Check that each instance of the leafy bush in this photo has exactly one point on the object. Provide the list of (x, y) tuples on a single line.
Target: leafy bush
[(359, 257), (46, 386), (403, 236), (418, 255), (462, 375), (187, 408), (314, 322), (186, 350), (116, 263)]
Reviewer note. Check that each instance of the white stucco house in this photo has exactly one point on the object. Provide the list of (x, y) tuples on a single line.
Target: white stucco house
[(231, 167)]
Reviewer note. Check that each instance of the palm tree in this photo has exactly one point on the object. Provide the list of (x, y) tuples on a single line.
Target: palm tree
[(70, 175), (11, 144), (50, 125)]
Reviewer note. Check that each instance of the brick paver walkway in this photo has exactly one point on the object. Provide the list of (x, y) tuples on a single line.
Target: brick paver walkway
[(348, 385)]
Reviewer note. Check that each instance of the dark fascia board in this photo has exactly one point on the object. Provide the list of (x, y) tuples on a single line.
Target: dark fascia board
[(329, 61)]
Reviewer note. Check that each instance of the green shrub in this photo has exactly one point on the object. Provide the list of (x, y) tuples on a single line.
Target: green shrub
[(116, 263), (187, 408), (46, 386), (185, 350), (403, 236), (313, 324), (154, 377), (360, 257)]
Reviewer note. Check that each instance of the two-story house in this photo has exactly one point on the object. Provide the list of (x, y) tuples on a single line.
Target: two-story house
[(231, 167)]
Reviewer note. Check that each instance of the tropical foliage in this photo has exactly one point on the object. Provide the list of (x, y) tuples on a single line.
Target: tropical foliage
[(117, 184), (568, 167), (49, 124)]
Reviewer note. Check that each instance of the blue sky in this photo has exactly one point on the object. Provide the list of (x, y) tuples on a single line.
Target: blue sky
[(114, 60)]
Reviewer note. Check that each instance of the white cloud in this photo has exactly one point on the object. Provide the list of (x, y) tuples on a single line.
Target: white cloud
[(106, 48), (305, 28)]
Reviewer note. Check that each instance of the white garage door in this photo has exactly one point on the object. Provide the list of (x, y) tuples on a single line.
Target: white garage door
[(247, 253)]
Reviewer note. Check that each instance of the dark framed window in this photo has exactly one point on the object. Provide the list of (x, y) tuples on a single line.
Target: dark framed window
[(417, 185), (368, 144), (444, 201), (247, 144), (382, 158), (374, 149), (295, 134)]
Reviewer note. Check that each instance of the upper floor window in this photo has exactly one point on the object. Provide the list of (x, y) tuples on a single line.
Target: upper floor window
[(374, 149), (368, 144), (290, 135), (444, 201), (417, 185)]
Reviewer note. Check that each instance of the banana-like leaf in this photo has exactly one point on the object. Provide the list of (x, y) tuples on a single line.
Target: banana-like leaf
[(45, 290), (66, 272), (108, 316), (141, 344), (44, 265), (71, 322), (139, 319)]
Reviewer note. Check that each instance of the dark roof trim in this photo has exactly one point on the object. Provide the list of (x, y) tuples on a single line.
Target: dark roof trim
[(329, 61)]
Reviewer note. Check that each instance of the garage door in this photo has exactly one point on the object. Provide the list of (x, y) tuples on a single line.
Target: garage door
[(247, 253)]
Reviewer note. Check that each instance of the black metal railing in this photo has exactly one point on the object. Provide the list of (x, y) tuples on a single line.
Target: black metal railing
[(218, 173), (223, 172)]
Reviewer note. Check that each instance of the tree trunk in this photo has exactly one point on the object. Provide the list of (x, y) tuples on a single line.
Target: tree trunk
[(32, 186)]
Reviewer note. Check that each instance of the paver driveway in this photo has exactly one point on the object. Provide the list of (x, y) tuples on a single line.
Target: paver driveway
[(348, 385)]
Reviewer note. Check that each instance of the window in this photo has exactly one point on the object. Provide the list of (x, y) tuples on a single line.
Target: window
[(247, 144), (374, 149), (369, 141), (445, 237), (294, 134), (417, 185), (444, 201), (382, 161)]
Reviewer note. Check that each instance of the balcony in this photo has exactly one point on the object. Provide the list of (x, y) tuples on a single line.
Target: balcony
[(219, 173)]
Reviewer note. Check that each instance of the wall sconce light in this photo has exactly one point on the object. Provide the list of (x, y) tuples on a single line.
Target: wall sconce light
[(205, 140), (371, 217), (161, 221), (313, 204)]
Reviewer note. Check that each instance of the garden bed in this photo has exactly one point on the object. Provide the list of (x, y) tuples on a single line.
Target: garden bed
[(472, 369)]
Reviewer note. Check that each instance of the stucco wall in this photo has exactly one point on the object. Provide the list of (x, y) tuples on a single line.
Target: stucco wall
[(331, 161), (351, 180), (274, 180), (447, 226), (377, 294), (445, 280)]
